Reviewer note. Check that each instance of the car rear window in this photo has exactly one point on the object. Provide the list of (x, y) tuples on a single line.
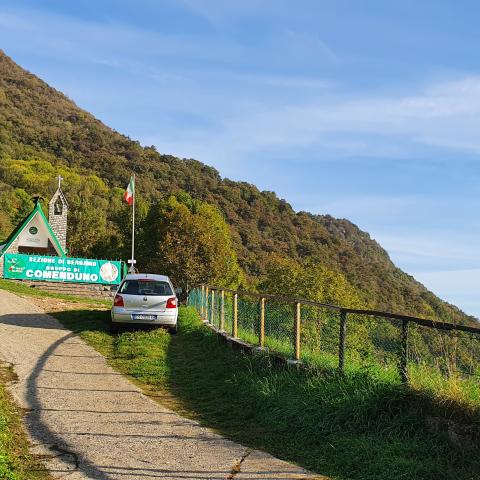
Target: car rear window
[(146, 287)]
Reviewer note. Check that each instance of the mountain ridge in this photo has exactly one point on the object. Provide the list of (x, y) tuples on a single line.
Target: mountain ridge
[(39, 122)]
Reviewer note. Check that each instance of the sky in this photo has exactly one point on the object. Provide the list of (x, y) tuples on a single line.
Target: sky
[(366, 110)]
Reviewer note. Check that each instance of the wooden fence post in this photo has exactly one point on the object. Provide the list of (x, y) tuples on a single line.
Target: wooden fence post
[(222, 310), (212, 309), (235, 316), (261, 338), (342, 341), (404, 353), (205, 313), (202, 302), (297, 330)]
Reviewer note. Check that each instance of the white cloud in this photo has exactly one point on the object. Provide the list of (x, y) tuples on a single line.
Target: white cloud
[(443, 115), (308, 44), (352, 206), (109, 42), (219, 12), (281, 81), (434, 249)]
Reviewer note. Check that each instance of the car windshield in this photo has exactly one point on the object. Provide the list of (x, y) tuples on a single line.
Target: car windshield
[(146, 287)]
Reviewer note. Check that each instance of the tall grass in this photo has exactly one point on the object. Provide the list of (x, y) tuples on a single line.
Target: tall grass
[(442, 365)]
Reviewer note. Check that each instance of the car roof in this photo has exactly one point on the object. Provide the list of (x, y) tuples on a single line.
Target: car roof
[(143, 276)]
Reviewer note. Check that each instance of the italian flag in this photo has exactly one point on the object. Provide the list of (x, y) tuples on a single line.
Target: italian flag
[(130, 191)]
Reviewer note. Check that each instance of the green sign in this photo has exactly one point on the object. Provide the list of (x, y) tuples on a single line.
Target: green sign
[(61, 269)]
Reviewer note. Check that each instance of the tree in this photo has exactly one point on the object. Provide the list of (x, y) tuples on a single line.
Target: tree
[(190, 241), (310, 280), (16, 205)]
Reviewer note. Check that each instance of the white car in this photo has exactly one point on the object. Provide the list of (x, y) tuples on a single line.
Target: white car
[(145, 299)]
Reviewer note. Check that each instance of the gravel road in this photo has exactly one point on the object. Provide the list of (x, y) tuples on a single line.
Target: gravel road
[(92, 423)]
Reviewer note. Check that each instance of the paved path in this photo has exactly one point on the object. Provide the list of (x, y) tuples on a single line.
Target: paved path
[(94, 424)]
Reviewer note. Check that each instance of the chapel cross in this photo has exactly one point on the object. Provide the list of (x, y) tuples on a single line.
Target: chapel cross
[(60, 178)]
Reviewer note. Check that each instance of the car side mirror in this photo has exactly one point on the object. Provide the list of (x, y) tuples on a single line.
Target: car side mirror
[(178, 291)]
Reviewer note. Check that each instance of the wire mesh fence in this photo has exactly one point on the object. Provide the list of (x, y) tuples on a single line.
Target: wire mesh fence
[(450, 357), (319, 335), (215, 308), (279, 327), (373, 342), (423, 352), (248, 319)]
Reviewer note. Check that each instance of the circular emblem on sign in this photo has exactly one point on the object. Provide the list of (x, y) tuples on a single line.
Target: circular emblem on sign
[(33, 230), (108, 272)]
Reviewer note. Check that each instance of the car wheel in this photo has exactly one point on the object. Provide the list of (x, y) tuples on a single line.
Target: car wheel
[(173, 330)]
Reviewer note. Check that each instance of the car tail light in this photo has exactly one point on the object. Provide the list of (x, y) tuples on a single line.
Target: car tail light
[(171, 303), (118, 301)]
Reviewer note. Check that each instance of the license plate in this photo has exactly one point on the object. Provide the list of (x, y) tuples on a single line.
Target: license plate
[(144, 317)]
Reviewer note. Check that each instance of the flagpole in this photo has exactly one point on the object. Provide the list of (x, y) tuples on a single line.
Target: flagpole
[(132, 266)]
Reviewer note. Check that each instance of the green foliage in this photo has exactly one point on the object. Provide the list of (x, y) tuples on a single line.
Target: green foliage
[(310, 280), (190, 241), (16, 204)]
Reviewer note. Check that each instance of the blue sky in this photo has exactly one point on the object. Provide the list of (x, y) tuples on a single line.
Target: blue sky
[(367, 110)]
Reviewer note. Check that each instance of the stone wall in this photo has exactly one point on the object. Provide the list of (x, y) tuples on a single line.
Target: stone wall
[(57, 221)]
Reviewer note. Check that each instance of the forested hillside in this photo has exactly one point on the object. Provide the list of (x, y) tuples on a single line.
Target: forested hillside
[(43, 133)]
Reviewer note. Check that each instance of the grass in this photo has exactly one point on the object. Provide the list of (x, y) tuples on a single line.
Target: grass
[(16, 463), (358, 426), (453, 396), (20, 288)]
